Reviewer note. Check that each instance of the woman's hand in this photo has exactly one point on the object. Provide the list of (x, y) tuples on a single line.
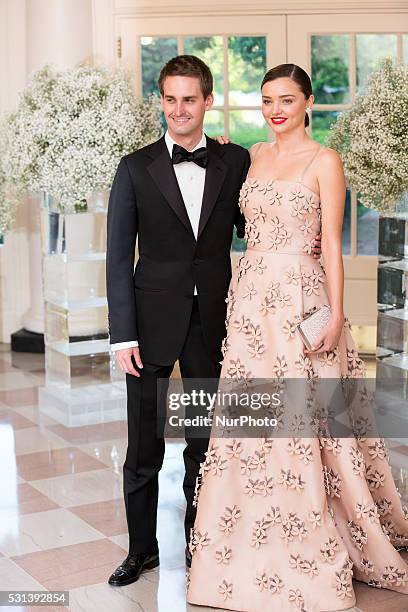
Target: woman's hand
[(330, 336), (222, 140), (317, 246)]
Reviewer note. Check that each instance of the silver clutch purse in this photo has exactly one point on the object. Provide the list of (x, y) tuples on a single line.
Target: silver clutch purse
[(313, 324)]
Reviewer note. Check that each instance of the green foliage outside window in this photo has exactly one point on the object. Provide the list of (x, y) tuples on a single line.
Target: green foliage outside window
[(330, 68)]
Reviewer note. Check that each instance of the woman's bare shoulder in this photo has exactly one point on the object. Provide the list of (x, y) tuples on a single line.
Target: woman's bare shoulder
[(330, 157), (256, 149), (329, 164)]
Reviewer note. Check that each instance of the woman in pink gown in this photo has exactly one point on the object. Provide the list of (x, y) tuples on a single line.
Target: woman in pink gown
[(286, 523)]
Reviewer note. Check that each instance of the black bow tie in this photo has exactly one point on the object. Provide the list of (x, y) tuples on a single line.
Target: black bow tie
[(199, 156)]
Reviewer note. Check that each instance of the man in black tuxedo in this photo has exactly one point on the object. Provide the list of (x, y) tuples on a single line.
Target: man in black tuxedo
[(179, 196)]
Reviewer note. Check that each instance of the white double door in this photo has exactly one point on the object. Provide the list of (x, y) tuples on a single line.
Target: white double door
[(288, 38)]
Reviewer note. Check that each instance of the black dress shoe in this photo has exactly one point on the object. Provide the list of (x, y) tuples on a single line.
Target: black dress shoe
[(188, 556), (131, 568)]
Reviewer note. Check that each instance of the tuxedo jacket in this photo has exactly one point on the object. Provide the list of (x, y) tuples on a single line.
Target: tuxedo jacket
[(153, 302)]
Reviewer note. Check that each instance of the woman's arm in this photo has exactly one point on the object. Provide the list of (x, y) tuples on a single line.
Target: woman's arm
[(332, 196)]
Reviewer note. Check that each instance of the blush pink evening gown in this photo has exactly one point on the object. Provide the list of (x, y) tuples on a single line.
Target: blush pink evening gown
[(286, 523)]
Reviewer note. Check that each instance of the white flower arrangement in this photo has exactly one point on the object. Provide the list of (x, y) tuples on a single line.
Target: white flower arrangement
[(372, 139), (70, 130), (6, 210)]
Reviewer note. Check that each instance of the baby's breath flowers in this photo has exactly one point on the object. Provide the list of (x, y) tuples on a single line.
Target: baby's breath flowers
[(372, 139), (6, 209), (70, 130)]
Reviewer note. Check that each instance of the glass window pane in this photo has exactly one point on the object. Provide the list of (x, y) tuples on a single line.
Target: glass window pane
[(246, 69), (214, 123), (330, 68), (367, 230), (155, 53), (321, 122), (346, 236), (405, 48), (370, 50), (247, 127), (210, 50)]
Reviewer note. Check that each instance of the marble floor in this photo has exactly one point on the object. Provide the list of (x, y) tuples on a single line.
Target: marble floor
[(62, 521)]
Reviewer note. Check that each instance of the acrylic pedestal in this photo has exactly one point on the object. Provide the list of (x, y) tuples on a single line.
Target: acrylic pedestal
[(392, 326), (82, 385)]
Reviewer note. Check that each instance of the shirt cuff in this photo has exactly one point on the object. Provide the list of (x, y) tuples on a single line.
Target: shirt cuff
[(122, 345)]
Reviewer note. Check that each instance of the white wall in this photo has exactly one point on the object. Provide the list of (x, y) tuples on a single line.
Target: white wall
[(14, 277), (32, 33)]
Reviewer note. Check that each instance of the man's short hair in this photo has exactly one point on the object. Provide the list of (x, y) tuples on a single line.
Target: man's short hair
[(190, 66)]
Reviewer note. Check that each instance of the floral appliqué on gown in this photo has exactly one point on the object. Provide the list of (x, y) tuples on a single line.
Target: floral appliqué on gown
[(286, 523)]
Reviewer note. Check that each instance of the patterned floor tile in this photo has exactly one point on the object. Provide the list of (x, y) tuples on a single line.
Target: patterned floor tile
[(55, 462), (44, 530), (82, 488), (20, 397), (14, 577), (7, 367), (141, 596), (17, 380), (112, 453), (14, 419), (379, 600), (72, 566), (36, 415), (30, 500), (109, 517), (35, 439), (91, 433)]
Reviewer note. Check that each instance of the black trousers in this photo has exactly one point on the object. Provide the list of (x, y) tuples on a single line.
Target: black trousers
[(145, 452)]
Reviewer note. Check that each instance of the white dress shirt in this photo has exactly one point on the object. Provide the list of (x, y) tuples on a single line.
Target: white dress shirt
[(191, 179)]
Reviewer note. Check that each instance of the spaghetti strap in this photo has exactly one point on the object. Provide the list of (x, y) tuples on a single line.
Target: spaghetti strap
[(310, 162)]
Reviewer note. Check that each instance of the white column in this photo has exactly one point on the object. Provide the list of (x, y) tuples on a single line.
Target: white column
[(14, 282), (59, 33)]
